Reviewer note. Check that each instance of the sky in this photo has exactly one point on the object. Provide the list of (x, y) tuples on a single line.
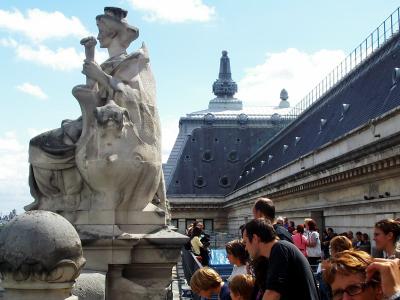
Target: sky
[(271, 44)]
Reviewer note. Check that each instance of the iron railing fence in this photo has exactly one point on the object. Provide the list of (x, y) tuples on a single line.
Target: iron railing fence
[(384, 32)]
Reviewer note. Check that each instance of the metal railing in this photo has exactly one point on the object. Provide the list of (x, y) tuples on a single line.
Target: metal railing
[(190, 265), (374, 41)]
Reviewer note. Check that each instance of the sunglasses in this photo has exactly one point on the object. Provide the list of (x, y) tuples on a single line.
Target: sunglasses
[(352, 290)]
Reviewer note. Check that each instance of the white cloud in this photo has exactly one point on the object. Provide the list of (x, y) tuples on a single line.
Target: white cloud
[(9, 142), (298, 72), (14, 171), (13, 164), (32, 90), (40, 25), (62, 59), (8, 43), (174, 11), (170, 131)]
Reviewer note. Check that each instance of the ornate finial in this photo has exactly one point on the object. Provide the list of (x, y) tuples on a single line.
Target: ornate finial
[(224, 86), (284, 96)]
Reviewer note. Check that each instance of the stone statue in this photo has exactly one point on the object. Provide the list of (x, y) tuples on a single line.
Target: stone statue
[(103, 173), (110, 157)]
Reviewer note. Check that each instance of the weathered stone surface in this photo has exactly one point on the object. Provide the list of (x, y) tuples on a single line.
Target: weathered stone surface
[(40, 257), (38, 241), (90, 286)]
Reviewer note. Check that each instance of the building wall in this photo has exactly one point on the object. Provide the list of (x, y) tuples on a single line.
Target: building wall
[(347, 185)]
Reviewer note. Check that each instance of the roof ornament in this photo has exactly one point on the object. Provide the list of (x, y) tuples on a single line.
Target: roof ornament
[(345, 108), (284, 97), (224, 86), (323, 122)]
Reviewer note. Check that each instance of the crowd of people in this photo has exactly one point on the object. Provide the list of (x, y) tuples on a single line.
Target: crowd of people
[(275, 259)]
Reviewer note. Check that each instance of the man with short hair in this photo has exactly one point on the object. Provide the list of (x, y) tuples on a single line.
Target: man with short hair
[(289, 275), (265, 208)]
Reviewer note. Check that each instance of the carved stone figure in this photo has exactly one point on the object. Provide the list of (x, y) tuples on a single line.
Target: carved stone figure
[(110, 158)]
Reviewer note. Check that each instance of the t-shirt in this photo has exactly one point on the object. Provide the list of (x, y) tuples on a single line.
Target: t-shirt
[(196, 245), (301, 242), (290, 274), (225, 293), (237, 271), (282, 232)]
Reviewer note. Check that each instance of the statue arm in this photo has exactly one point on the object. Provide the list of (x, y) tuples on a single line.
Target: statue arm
[(93, 71)]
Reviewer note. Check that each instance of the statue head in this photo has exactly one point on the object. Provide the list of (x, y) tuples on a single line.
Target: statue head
[(113, 25)]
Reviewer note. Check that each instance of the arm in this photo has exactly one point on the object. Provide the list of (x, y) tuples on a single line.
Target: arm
[(271, 295), (93, 71), (389, 269)]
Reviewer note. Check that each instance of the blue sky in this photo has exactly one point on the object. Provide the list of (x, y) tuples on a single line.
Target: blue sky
[(272, 45)]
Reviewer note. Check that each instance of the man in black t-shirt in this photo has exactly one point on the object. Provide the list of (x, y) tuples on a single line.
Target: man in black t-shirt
[(289, 274), (265, 208)]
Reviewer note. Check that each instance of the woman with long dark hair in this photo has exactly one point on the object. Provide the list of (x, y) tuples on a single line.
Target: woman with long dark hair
[(313, 244), (386, 236)]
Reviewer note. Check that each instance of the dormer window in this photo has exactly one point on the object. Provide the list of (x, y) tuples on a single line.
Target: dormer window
[(322, 125)]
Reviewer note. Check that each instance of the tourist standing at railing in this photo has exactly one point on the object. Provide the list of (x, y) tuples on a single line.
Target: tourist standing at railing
[(206, 282), (238, 257), (386, 237), (265, 208), (356, 275), (197, 247), (326, 239), (291, 227), (313, 244), (365, 243), (300, 240), (190, 228), (241, 287), (358, 240), (195, 241), (289, 275), (336, 245)]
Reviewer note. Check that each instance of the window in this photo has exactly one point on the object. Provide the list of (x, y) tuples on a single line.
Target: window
[(200, 182), (233, 156), (207, 155), (208, 224), (175, 222), (224, 181)]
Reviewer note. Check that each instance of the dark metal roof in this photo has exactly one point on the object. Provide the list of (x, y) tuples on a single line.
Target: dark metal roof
[(364, 94), (213, 157)]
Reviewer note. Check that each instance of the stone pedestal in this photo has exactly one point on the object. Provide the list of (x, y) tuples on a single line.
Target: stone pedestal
[(37, 291), (135, 249)]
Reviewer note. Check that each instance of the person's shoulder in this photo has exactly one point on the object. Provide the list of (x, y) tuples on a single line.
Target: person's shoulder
[(225, 293)]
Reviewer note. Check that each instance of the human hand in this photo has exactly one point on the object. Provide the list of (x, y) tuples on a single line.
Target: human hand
[(389, 270), (93, 71)]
